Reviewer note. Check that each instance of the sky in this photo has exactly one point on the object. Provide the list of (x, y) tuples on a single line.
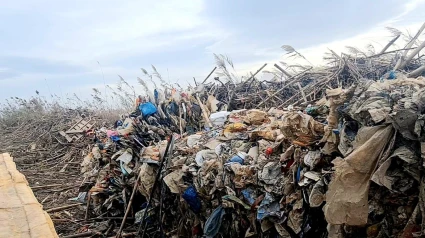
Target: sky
[(65, 47)]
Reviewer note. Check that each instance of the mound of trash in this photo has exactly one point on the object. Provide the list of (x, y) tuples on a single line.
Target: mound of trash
[(334, 151), (349, 165)]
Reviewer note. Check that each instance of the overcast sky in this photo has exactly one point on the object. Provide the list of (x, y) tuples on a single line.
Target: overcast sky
[(55, 44)]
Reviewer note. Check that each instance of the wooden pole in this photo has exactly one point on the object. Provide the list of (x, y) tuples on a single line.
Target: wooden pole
[(212, 71), (180, 121), (253, 75), (389, 44), (282, 70), (128, 206), (204, 112)]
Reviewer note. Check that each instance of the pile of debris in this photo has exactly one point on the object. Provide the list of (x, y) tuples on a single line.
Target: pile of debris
[(335, 151), (285, 172)]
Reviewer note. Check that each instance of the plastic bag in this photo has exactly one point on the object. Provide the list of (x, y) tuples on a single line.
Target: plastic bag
[(219, 118), (147, 109), (213, 223), (347, 197), (191, 197)]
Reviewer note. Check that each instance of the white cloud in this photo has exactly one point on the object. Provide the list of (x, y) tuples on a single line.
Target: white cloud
[(84, 31), (377, 35)]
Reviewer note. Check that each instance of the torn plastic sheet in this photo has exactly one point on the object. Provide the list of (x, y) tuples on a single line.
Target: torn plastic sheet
[(173, 180), (347, 136), (404, 121), (147, 179), (204, 155), (212, 104), (347, 197), (282, 231), (192, 140), (268, 207), (392, 172), (219, 118), (312, 158), (312, 175), (270, 173), (125, 169), (126, 157), (295, 220), (80, 198)]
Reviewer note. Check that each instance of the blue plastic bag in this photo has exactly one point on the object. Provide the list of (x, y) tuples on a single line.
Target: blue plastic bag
[(147, 109), (191, 197), (155, 94), (213, 223), (392, 75), (236, 159)]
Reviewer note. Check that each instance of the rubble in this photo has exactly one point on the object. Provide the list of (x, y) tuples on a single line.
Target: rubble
[(334, 151)]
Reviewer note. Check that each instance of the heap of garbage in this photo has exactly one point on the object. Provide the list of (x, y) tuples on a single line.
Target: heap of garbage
[(335, 151), (331, 152), (349, 165)]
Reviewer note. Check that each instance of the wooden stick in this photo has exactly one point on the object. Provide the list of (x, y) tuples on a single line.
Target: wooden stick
[(85, 234), (180, 120), (204, 112), (57, 209), (46, 186), (45, 199), (282, 70), (389, 44), (88, 206), (302, 91), (212, 71), (56, 157), (128, 206), (253, 75)]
